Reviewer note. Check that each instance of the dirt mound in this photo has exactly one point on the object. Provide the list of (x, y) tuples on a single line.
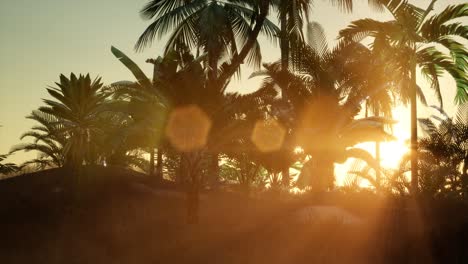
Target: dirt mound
[(50, 189)]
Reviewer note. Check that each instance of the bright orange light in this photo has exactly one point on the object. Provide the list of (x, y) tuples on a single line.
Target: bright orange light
[(188, 128), (298, 150), (391, 152), (268, 135)]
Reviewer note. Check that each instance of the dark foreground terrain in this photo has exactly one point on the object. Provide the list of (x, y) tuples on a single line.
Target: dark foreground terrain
[(124, 219)]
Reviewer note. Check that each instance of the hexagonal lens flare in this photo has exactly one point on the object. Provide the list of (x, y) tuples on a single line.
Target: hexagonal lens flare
[(188, 128), (268, 135)]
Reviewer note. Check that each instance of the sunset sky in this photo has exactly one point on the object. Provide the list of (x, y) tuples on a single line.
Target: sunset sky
[(42, 39)]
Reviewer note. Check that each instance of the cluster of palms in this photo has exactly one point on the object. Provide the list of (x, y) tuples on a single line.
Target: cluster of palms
[(442, 160), (310, 98)]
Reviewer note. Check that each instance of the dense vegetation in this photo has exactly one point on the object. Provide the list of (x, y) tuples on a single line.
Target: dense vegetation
[(184, 130), (204, 135)]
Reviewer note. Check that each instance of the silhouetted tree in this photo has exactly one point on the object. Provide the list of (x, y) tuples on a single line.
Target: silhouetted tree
[(443, 155), (326, 94), (48, 141), (404, 40), (78, 102), (226, 31), (7, 168), (147, 102)]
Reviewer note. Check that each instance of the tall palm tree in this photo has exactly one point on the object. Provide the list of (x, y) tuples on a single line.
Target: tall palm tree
[(408, 42), (226, 29), (293, 15)]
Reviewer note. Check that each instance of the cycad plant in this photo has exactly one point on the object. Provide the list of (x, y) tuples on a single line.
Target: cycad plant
[(77, 105), (411, 42)]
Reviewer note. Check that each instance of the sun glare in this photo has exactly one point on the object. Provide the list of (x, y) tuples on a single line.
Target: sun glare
[(392, 152)]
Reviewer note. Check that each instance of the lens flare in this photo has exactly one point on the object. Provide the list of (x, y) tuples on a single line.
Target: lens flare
[(188, 128), (268, 135)]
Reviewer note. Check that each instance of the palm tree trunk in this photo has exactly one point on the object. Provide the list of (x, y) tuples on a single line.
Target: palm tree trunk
[(325, 174), (464, 177), (414, 131), (214, 169), (377, 148), (159, 164), (286, 180), (192, 169), (238, 59), (284, 41), (377, 155), (181, 174), (284, 45), (151, 165), (213, 72), (193, 201)]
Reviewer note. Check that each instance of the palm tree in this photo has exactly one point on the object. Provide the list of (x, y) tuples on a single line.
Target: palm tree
[(77, 105), (48, 141), (407, 42), (243, 169), (329, 80), (219, 28), (178, 81), (444, 152), (147, 101), (293, 15), (328, 144), (226, 31), (7, 168)]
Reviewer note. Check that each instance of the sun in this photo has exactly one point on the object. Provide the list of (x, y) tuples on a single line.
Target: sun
[(392, 152)]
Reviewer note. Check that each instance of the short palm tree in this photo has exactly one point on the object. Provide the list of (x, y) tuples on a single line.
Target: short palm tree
[(330, 138), (146, 102), (327, 79), (7, 168), (443, 162), (48, 141), (408, 41), (77, 105)]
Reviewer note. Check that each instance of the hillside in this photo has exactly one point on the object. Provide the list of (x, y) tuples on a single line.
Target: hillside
[(127, 220)]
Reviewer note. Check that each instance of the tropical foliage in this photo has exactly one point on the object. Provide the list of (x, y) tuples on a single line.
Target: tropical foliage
[(411, 40), (311, 99), (443, 154), (7, 168)]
